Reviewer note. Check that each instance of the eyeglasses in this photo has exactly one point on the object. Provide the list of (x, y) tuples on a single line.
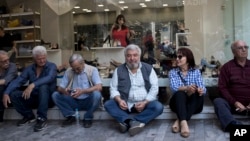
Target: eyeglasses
[(242, 47), (179, 57), (5, 61)]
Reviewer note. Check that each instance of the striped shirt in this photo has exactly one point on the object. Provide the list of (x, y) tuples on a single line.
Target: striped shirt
[(193, 77), (234, 82)]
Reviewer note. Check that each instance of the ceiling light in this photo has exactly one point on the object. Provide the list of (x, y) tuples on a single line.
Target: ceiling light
[(106, 9), (73, 12), (100, 5), (147, 0), (165, 5), (121, 1), (142, 3), (84, 9), (125, 7), (77, 7), (89, 11)]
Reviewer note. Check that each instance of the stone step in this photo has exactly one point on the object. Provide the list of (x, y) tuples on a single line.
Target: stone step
[(55, 114)]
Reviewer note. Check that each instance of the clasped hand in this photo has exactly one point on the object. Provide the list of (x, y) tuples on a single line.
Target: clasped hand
[(76, 93), (191, 89), (139, 106)]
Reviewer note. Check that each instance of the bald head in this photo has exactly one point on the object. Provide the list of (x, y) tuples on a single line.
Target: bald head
[(240, 49)]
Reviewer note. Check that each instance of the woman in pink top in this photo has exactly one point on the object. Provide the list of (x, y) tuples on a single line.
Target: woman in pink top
[(120, 32)]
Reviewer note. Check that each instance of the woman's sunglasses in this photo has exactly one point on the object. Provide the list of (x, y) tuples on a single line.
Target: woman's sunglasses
[(179, 57)]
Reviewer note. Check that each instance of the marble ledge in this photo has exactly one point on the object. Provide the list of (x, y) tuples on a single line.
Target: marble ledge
[(163, 82)]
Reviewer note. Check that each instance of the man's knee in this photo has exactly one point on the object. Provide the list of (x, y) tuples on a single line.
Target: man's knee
[(219, 101), (16, 93), (55, 95), (157, 106), (44, 87), (109, 103), (97, 95)]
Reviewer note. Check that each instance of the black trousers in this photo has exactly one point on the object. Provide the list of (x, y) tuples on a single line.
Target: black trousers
[(2, 88), (185, 106)]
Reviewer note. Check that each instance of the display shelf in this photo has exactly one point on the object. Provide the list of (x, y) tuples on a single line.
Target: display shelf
[(27, 41), (104, 48), (25, 28), (20, 57), (22, 28), (53, 50), (19, 14)]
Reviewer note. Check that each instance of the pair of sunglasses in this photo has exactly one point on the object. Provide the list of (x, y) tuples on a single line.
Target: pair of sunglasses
[(179, 57)]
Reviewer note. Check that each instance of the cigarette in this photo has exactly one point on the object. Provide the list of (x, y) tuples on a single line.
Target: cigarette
[(237, 109)]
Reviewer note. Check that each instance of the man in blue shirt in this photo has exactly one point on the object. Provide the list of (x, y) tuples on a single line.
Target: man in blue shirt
[(8, 72), (79, 90), (42, 83)]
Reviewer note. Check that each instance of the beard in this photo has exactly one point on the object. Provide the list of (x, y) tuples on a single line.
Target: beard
[(133, 65)]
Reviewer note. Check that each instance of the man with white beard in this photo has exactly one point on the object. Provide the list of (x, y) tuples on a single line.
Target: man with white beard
[(133, 89)]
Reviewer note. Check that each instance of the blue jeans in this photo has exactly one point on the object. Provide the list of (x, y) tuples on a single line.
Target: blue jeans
[(225, 112), (67, 104), (151, 111), (39, 98)]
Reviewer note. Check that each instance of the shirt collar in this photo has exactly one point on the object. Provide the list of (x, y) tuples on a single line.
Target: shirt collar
[(246, 65), (34, 65)]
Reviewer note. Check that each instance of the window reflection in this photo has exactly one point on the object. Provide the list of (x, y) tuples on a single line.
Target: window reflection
[(92, 28)]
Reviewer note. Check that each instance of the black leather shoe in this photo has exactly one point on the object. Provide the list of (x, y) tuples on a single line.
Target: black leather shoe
[(87, 123), (123, 127), (41, 123), (69, 121), (26, 120), (231, 124)]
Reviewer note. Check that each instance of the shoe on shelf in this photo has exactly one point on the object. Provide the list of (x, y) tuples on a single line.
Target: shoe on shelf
[(26, 120), (87, 123), (69, 121), (135, 127), (41, 123), (123, 127)]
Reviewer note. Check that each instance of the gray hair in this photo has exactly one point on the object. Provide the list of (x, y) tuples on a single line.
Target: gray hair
[(132, 47), (2, 52), (76, 57), (39, 50)]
